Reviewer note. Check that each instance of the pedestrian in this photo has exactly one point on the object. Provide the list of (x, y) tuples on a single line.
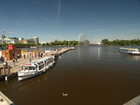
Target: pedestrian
[(14, 62), (30, 59), (5, 64), (24, 56), (2, 58), (16, 58)]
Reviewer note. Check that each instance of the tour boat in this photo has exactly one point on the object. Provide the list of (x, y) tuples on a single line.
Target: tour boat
[(35, 67), (133, 51), (33, 47), (72, 48)]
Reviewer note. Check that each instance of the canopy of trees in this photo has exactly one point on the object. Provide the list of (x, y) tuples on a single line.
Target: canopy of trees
[(121, 42)]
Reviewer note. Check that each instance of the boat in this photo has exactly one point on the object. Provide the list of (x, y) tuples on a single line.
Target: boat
[(133, 51), (33, 47), (35, 67), (72, 48)]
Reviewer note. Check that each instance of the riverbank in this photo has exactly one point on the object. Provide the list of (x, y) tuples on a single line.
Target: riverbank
[(27, 57)]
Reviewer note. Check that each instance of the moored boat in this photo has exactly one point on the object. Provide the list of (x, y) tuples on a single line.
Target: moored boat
[(72, 48), (36, 67), (134, 51)]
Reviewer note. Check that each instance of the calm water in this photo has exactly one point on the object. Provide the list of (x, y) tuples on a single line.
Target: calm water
[(95, 75)]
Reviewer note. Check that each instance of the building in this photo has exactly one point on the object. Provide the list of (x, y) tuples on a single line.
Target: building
[(29, 41), (36, 40), (10, 40), (15, 39)]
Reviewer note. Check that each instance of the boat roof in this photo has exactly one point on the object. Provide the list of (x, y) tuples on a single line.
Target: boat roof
[(36, 61), (41, 59), (129, 48)]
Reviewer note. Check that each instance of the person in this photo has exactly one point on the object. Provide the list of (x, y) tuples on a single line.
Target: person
[(30, 59), (24, 56), (16, 58), (14, 62), (5, 64), (2, 58)]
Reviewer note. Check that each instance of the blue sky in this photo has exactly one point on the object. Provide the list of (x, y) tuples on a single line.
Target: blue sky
[(66, 19)]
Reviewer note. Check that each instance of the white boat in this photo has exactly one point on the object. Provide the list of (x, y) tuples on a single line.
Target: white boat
[(134, 51), (72, 48), (36, 67), (33, 47)]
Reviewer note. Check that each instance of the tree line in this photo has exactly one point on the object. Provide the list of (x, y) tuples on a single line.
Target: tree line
[(55, 43), (121, 42)]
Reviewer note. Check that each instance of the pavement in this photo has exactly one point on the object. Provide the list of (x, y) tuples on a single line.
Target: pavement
[(18, 63), (23, 60)]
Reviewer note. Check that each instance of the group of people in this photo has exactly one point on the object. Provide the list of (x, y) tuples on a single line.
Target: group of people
[(34, 55), (17, 56), (14, 60)]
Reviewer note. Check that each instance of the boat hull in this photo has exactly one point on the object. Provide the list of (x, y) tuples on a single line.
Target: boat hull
[(26, 75), (134, 53)]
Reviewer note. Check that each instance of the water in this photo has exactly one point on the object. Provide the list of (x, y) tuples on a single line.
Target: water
[(95, 75)]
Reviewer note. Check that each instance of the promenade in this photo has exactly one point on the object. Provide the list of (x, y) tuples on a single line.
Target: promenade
[(18, 63), (29, 55)]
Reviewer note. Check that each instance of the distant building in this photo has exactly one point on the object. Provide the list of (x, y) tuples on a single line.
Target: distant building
[(29, 41), (10, 40), (36, 40), (20, 40), (14, 38)]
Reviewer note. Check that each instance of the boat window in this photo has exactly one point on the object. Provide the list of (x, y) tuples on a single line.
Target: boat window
[(24, 68), (31, 68)]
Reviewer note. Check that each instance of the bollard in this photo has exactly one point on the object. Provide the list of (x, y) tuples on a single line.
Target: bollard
[(9, 70), (3, 70)]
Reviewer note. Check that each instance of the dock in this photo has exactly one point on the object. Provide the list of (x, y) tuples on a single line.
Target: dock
[(10, 72)]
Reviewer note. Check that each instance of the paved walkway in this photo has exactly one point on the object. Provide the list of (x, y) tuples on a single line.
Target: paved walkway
[(18, 63), (22, 60)]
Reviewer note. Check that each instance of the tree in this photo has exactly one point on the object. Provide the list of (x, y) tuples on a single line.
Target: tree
[(105, 41)]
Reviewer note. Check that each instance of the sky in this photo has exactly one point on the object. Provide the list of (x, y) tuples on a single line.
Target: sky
[(67, 19)]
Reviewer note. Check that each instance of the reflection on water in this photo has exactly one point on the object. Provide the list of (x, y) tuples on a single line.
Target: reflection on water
[(134, 57), (99, 53), (28, 85)]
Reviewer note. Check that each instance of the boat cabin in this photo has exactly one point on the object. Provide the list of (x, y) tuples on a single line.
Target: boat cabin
[(37, 64), (128, 50)]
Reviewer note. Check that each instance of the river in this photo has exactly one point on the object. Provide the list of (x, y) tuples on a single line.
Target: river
[(94, 75)]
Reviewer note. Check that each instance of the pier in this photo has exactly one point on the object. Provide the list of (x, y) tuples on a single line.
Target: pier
[(10, 72)]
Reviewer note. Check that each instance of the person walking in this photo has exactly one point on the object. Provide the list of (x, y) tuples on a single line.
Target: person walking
[(24, 56), (14, 62), (16, 58)]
